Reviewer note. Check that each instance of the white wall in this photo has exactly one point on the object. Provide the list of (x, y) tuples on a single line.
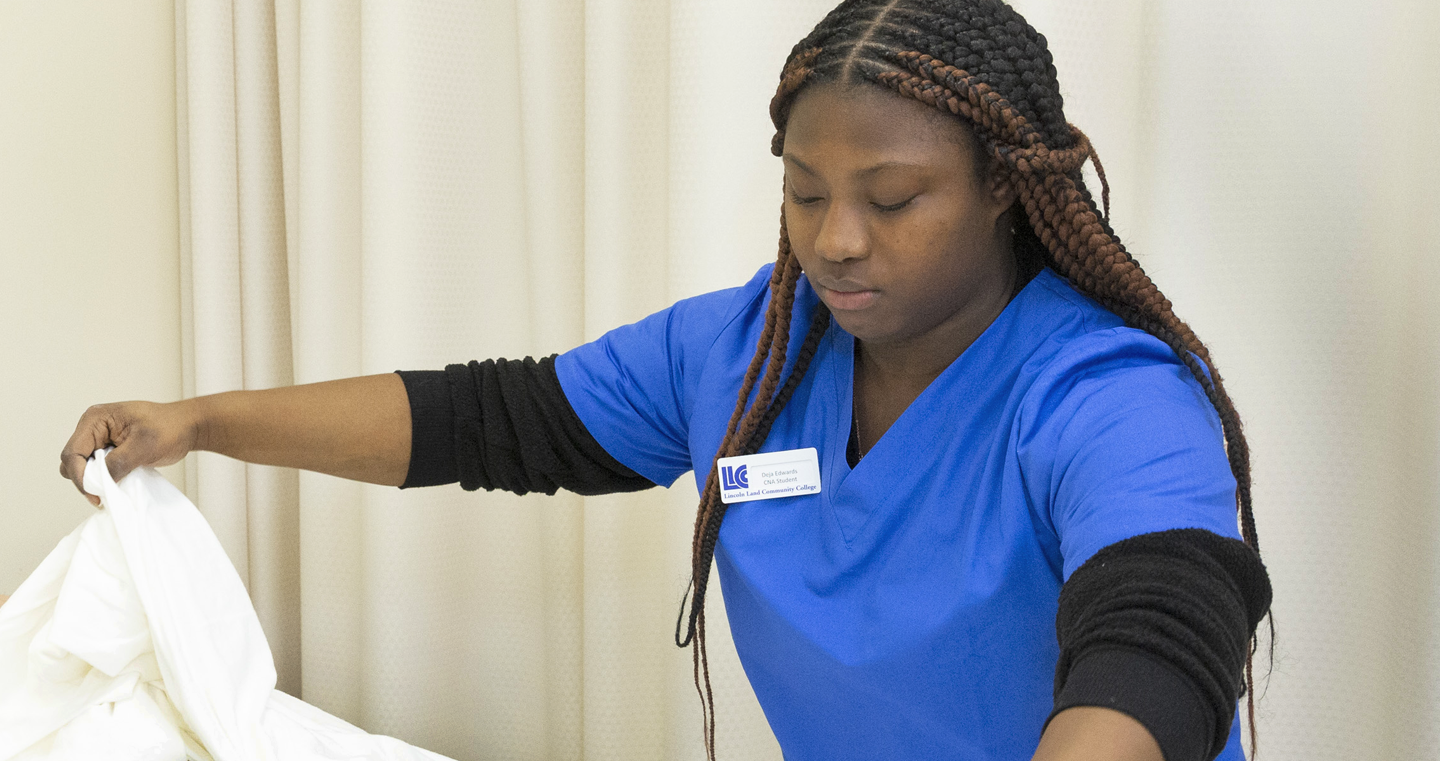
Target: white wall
[(89, 281)]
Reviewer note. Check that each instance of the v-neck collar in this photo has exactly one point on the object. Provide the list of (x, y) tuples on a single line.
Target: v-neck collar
[(895, 447)]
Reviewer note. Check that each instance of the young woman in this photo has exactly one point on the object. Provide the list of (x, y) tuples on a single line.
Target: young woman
[(984, 501)]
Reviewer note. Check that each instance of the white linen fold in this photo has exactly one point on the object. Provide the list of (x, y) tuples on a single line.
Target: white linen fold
[(135, 640)]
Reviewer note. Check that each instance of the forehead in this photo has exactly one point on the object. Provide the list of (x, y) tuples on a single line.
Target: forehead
[(847, 125)]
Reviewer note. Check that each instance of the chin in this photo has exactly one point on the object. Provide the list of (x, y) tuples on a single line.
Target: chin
[(863, 327)]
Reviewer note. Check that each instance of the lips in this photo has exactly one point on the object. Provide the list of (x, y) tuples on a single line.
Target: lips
[(845, 296)]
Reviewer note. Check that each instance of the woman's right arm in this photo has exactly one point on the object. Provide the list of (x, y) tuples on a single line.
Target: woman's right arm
[(356, 428)]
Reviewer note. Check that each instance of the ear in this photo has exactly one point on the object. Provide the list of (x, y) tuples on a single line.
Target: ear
[(1000, 187)]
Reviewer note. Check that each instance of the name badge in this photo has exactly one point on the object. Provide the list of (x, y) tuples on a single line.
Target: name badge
[(792, 473)]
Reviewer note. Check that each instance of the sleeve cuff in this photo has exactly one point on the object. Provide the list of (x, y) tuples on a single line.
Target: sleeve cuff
[(432, 429), (1149, 691)]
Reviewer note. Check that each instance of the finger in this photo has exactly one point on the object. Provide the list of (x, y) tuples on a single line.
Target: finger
[(73, 467), (79, 482), (79, 479), (91, 433)]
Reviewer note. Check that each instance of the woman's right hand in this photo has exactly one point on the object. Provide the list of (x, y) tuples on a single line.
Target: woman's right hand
[(143, 434)]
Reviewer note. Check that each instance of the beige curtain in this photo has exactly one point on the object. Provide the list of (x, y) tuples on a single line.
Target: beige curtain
[(373, 186), (1273, 166), (367, 186)]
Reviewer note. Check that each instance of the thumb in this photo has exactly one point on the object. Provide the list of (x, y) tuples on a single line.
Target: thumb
[(119, 462)]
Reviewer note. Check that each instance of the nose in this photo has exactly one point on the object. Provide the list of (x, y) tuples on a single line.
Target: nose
[(842, 234)]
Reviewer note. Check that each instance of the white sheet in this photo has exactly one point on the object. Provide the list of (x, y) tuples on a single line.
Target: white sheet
[(134, 640)]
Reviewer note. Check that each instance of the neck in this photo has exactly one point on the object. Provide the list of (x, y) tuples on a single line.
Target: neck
[(915, 361)]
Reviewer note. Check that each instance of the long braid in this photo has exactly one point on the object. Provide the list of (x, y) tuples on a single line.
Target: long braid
[(1082, 245), (744, 438), (1085, 249), (978, 60), (748, 426)]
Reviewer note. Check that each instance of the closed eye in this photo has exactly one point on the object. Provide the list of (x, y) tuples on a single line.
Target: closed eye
[(895, 206), (798, 201)]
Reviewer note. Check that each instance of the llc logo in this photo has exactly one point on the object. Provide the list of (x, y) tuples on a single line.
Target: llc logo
[(732, 477)]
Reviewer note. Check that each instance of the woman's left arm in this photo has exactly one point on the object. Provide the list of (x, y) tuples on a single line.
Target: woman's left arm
[(1154, 631), (1123, 454)]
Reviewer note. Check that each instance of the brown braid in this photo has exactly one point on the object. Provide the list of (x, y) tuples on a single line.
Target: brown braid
[(1084, 249), (745, 433), (1002, 84), (1080, 243)]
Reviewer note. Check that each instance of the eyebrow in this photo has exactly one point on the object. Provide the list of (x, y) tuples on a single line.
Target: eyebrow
[(863, 172)]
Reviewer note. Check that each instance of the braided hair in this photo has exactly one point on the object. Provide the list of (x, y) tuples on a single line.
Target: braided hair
[(980, 61)]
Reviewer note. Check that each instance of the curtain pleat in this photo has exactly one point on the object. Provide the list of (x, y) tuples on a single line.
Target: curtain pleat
[(375, 186), (233, 250)]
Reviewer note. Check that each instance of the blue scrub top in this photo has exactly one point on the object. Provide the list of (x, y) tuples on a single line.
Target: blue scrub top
[(908, 610)]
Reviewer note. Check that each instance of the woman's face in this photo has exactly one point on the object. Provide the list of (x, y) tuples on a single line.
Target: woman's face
[(900, 233)]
